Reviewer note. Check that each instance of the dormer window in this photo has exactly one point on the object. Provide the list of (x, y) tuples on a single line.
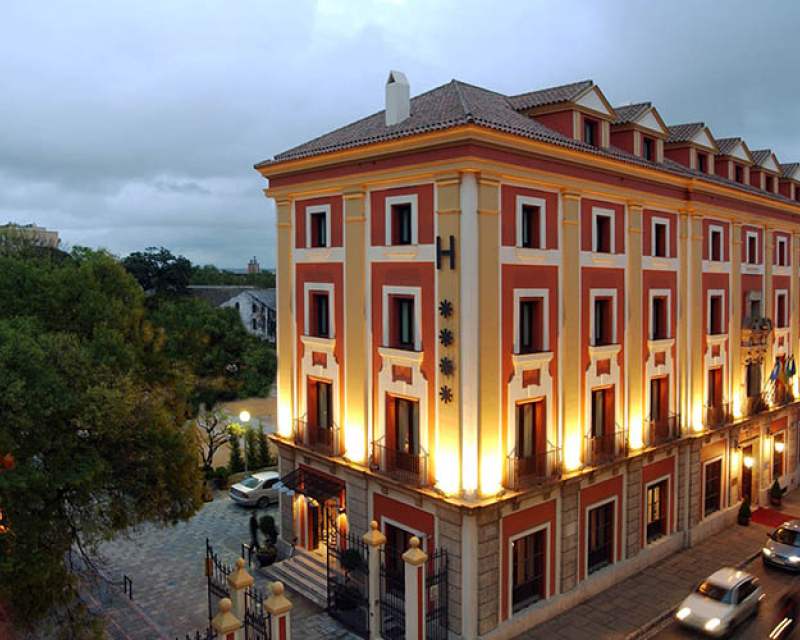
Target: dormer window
[(590, 132), (648, 149), (768, 185), (702, 162), (738, 174)]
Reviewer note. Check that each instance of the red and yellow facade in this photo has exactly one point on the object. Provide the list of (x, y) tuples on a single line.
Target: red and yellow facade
[(647, 416)]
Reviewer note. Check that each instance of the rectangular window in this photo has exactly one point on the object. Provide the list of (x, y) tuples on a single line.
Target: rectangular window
[(530, 429), (782, 253), (319, 230), (601, 537), (406, 426), (531, 326), (754, 306), (778, 446), (716, 245), (401, 224), (713, 487), (656, 510), (602, 321), (603, 413), (531, 226), (403, 317), (602, 233), (320, 325), (715, 387), (648, 149), (702, 162), (590, 132), (320, 402), (738, 174), (528, 564), (752, 248), (715, 315), (659, 318), (660, 240), (753, 381), (780, 311), (768, 183)]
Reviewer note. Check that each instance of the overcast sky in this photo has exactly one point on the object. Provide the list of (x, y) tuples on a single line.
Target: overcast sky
[(126, 125)]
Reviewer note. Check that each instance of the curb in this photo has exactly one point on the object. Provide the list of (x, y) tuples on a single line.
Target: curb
[(659, 619)]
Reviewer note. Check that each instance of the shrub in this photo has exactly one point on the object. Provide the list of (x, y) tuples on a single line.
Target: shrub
[(745, 513), (775, 490), (251, 439), (236, 462), (268, 528)]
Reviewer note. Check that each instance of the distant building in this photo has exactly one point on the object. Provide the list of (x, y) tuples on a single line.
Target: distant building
[(256, 307), (40, 235), (253, 267)]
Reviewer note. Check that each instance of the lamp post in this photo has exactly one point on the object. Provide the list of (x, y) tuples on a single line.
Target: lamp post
[(244, 417)]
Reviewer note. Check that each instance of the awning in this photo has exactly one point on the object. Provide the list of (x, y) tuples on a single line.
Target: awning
[(311, 485)]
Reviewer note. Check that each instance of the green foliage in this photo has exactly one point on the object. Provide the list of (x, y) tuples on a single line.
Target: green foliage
[(265, 457), (210, 275), (251, 441), (236, 462), (158, 271), (351, 559), (95, 418), (775, 490), (267, 525)]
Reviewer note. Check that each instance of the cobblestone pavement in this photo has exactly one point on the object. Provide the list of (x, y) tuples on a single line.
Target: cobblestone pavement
[(169, 587)]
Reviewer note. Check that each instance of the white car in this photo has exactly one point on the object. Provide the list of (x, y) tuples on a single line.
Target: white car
[(258, 489), (719, 603)]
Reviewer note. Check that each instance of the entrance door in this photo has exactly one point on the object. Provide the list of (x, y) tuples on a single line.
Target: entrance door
[(313, 526), (747, 474), (659, 407)]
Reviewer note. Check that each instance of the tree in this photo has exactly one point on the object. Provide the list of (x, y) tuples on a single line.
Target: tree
[(158, 271), (253, 459), (236, 463), (96, 421), (264, 455), (214, 432), (211, 275)]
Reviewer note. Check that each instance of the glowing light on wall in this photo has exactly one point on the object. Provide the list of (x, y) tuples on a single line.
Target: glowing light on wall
[(354, 442), (491, 475), (737, 405), (284, 417), (572, 452), (748, 462), (469, 475), (635, 433), (697, 417), (779, 447), (447, 472)]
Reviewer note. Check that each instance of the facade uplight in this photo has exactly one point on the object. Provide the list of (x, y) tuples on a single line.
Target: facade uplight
[(748, 462)]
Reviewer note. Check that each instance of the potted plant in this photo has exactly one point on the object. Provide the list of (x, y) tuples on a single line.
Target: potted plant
[(745, 513), (267, 526), (266, 555), (775, 493)]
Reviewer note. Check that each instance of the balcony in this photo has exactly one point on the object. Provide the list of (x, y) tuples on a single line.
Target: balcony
[(718, 415), (322, 439), (528, 471), (607, 447), (782, 395), (408, 468), (756, 404), (663, 430)]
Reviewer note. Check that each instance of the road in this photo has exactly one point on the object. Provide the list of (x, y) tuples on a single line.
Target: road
[(774, 582)]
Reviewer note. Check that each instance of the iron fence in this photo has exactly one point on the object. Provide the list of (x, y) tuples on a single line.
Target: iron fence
[(392, 594), (317, 437), (409, 468), (348, 580), (256, 620), (663, 430), (436, 596), (217, 577)]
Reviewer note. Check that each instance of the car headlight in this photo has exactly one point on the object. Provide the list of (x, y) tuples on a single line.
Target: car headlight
[(712, 624), (683, 613), (766, 552), (794, 558)]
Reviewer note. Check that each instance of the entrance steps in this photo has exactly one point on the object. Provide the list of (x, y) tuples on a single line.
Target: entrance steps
[(305, 572)]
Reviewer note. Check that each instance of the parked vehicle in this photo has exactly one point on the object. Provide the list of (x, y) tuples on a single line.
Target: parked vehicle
[(783, 546), (721, 602), (258, 489)]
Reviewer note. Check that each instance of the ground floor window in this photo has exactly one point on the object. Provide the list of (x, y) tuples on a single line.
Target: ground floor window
[(601, 537), (656, 510), (713, 487), (528, 558)]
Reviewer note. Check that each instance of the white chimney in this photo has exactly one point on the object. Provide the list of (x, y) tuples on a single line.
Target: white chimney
[(398, 98)]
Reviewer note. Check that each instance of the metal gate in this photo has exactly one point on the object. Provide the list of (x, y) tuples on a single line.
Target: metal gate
[(393, 606), (436, 596), (348, 580), (216, 574), (256, 620)]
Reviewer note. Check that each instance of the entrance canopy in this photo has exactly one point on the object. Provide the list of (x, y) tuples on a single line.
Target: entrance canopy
[(311, 485)]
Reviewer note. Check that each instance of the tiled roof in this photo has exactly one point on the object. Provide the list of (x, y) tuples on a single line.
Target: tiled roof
[(761, 155), (265, 296), (787, 170), (458, 103), (630, 112), (684, 132), (726, 145), (215, 294), (553, 95)]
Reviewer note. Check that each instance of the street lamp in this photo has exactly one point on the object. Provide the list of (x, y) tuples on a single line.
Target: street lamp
[(244, 417)]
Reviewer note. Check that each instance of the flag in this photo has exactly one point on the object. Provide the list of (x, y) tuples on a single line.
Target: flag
[(783, 375), (791, 369), (775, 371)]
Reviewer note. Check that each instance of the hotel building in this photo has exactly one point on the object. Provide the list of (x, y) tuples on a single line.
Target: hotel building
[(537, 331)]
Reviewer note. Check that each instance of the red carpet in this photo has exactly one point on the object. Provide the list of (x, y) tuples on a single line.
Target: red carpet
[(770, 517)]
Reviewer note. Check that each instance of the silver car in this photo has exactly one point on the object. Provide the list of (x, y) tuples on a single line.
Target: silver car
[(783, 546), (258, 489)]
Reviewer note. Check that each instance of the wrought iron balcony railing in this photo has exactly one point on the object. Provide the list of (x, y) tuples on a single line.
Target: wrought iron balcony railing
[(410, 468), (527, 471), (662, 430), (718, 415), (756, 404), (606, 447), (324, 439)]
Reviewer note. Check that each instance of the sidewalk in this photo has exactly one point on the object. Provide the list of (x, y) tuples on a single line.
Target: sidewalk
[(628, 607)]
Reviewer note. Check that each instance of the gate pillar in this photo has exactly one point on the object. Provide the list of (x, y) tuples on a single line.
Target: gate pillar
[(374, 540), (415, 560), (238, 581), (278, 608), (227, 625)]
